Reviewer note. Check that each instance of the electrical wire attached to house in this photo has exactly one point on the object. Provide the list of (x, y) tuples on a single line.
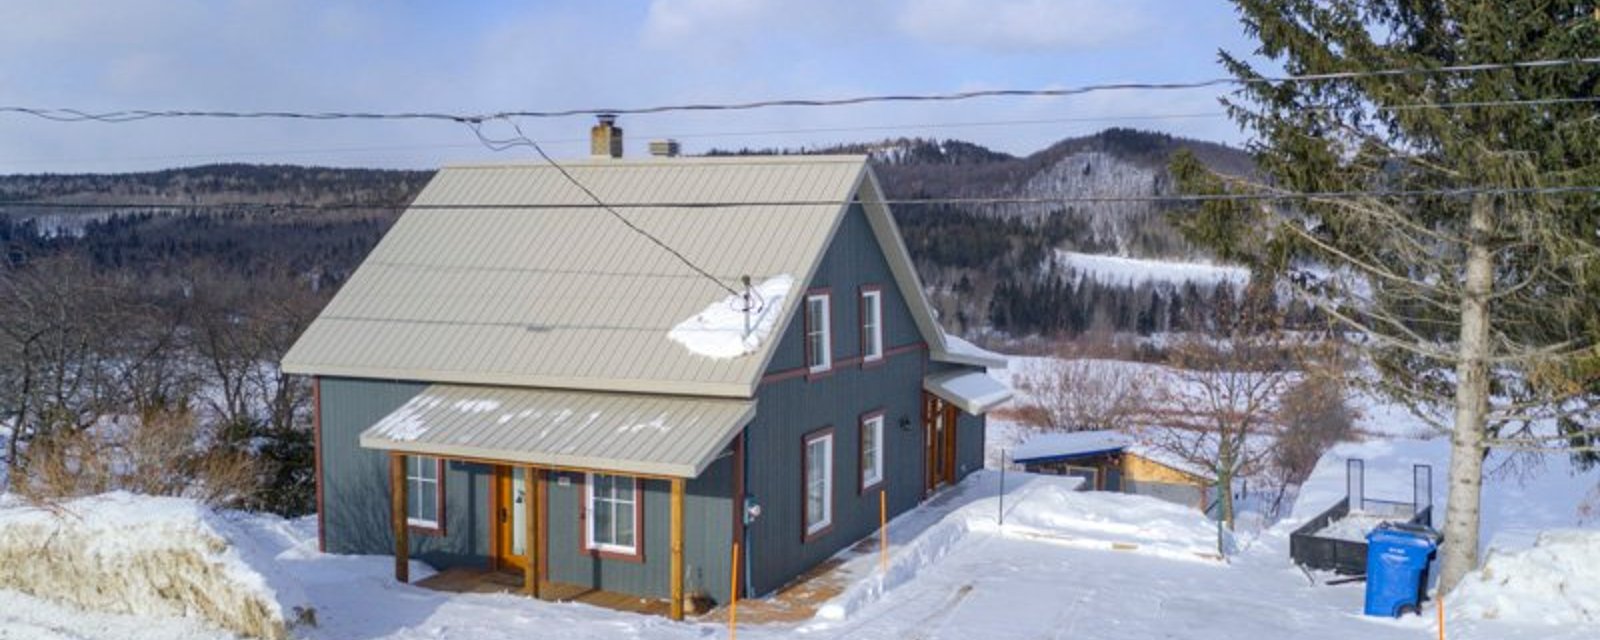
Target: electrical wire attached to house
[(522, 140)]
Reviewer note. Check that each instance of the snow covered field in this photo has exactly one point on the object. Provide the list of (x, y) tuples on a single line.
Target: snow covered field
[(1135, 271)]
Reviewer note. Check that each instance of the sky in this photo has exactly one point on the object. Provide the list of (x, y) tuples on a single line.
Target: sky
[(488, 56)]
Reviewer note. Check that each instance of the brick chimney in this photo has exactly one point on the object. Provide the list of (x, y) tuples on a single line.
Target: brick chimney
[(605, 138)]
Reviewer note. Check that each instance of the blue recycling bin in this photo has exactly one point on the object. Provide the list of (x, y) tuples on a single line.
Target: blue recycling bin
[(1397, 567)]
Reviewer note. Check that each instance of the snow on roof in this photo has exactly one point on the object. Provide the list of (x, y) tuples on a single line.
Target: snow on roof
[(1070, 443), (718, 331), (956, 346), (974, 391)]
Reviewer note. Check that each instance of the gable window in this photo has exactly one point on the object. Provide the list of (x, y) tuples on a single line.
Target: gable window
[(819, 339), (871, 325), (818, 466), (871, 450), (424, 491), (612, 514)]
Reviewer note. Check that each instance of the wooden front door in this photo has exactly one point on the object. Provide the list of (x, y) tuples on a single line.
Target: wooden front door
[(510, 520), (939, 437)]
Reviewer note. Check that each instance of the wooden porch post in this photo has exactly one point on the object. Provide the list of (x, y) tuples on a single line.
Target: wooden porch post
[(677, 549), (397, 516), (530, 509)]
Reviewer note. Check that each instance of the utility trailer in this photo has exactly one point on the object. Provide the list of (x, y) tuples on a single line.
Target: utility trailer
[(1336, 539)]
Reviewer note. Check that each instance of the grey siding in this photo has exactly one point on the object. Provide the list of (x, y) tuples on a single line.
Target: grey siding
[(790, 409), (355, 481), (707, 531)]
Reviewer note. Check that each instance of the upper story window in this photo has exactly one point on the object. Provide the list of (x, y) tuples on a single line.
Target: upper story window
[(871, 325), (423, 491), (819, 337)]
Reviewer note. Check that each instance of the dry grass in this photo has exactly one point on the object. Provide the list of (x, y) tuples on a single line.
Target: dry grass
[(163, 454)]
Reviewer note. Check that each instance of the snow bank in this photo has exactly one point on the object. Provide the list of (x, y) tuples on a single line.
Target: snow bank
[(1554, 582), (718, 331), (1048, 509), (141, 555)]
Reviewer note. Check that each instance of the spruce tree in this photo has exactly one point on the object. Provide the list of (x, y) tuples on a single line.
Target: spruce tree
[(1476, 293)]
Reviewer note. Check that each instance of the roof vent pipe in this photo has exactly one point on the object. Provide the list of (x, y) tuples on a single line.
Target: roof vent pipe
[(605, 139), (664, 148)]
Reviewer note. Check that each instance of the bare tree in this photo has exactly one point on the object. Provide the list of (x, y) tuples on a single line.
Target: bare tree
[(1220, 405), (1079, 395), (59, 344)]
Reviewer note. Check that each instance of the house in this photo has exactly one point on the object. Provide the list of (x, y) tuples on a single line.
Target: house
[(1115, 461), (517, 381)]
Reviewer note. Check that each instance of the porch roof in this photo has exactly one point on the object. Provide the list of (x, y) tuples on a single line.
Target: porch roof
[(636, 434), (974, 391)]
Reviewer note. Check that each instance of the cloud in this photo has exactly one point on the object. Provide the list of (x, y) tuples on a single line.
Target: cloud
[(1023, 25)]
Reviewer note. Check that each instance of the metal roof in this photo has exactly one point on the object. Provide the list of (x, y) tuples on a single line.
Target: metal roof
[(633, 434), (974, 391), (507, 275)]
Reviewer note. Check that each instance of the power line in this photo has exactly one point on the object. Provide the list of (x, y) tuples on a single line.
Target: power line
[(79, 115), (973, 201), (523, 140)]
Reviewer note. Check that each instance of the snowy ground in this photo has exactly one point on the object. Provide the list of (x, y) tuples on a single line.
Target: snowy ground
[(1066, 564)]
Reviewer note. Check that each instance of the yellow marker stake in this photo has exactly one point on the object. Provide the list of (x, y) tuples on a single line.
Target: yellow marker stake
[(733, 597), (883, 530), (1440, 601)]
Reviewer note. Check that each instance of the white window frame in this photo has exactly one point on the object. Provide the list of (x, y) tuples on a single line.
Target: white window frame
[(822, 335), (589, 483), (416, 484), (872, 425), (871, 325), (824, 438)]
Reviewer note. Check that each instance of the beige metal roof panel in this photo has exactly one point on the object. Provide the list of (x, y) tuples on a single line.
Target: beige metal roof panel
[(554, 296), (621, 433)]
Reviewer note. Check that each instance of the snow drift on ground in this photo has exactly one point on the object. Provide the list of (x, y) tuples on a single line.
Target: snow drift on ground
[(123, 553), (1047, 509), (1135, 271), (718, 331), (1554, 582)]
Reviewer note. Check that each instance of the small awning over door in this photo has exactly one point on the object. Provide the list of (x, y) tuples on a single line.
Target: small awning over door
[(634, 434), (974, 391)]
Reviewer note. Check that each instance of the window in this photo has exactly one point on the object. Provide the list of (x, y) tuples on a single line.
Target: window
[(819, 482), (613, 517), (819, 340), (871, 325), (423, 491), (871, 451)]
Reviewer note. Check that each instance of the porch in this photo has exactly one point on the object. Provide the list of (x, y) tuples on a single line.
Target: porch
[(536, 439), (484, 581)]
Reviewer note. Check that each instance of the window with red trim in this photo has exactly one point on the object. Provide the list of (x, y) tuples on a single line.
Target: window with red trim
[(424, 492), (819, 337)]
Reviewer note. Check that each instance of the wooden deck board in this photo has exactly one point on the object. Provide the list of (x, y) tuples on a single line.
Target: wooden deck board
[(465, 580), (794, 602)]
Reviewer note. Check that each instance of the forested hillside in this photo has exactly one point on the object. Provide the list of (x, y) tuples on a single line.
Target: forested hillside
[(987, 266)]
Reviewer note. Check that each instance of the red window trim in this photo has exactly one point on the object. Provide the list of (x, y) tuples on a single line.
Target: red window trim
[(806, 535), (585, 502), (827, 294), (861, 324), (436, 530), (861, 452)]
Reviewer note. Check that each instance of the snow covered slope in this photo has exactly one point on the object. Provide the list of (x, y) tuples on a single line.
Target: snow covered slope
[(1134, 271)]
